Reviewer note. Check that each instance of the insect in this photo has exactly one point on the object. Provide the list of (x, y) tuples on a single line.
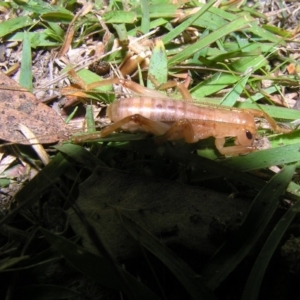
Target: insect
[(166, 118), (170, 119)]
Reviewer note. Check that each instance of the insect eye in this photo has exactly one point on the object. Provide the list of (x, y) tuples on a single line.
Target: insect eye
[(249, 135), (245, 137)]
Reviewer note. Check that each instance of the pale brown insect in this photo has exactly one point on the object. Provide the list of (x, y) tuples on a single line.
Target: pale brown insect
[(171, 119)]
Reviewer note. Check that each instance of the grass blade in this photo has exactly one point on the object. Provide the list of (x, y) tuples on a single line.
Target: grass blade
[(266, 35), (11, 262), (158, 66), (274, 111), (145, 24), (220, 80), (35, 187), (186, 276), (189, 22), (233, 95), (255, 278), (11, 25), (264, 158), (26, 64), (81, 155), (260, 213), (96, 267), (235, 25)]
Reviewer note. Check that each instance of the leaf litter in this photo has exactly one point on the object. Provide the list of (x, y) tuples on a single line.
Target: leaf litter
[(17, 106)]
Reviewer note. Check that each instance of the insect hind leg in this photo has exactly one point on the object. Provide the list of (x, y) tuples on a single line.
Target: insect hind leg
[(144, 124), (181, 129)]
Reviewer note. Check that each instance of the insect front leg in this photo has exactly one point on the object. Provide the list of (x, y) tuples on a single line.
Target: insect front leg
[(232, 150), (244, 140)]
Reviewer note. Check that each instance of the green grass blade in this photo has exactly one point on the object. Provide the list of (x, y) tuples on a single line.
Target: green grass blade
[(249, 47), (235, 25), (220, 80), (89, 116), (40, 7), (35, 187), (26, 64), (292, 138), (158, 66), (71, 115), (274, 111), (266, 35), (264, 158), (45, 178), (11, 262), (153, 24), (233, 95), (260, 213), (189, 22), (211, 21), (37, 39), (223, 14), (255, 278), (186, 276), (278, 31), (145, 25), (78, 153), (119, 17), (57, 17), (159, 10), (294, 189), (12, 25), (96, 267), (122, 34), (103, 92)]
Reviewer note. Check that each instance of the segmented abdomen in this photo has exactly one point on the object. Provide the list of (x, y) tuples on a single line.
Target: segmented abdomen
[(164, 110)]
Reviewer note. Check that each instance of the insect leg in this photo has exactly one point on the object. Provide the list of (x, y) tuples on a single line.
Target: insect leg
[(232, 150), (144, 124)]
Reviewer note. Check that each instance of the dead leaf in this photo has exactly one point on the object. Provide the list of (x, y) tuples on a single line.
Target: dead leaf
[(19, 106), (162, 211), (291, 68)]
